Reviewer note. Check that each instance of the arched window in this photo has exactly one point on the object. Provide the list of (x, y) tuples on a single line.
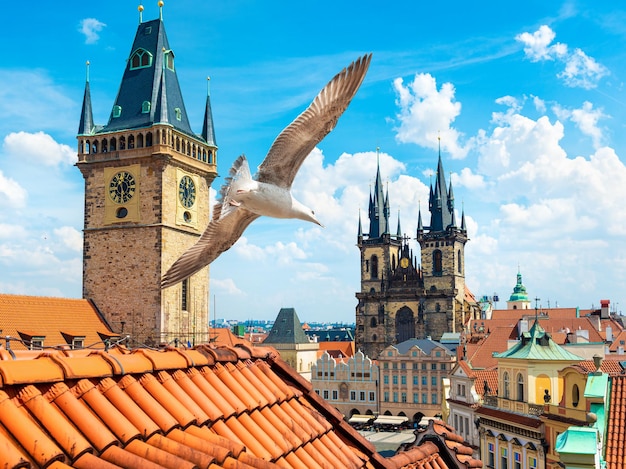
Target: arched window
[(520, 387), (104, 145), (505, 385), (405, 324), (94, 147), (373, 322), (140, 141), (459, 261), (113, 144), (145, 107), (374, 337), (122, 143), (131, 141), (575, 395), (169, 59), (374, 270), (149, 139), (141, 58), (437, 263)]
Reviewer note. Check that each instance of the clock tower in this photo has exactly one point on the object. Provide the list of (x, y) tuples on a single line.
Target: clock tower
[(147, 180)]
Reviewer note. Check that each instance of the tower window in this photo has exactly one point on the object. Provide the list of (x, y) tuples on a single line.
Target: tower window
[(459, 261), (178, 113), (145, 107), (374, 272), (437, 263), (117, 111), (141, 58), (184, 294)]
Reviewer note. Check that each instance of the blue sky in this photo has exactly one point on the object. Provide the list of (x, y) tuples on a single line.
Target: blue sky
[(529, 103)]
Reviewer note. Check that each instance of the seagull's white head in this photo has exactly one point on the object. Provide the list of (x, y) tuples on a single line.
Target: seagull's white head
[(303, 212)]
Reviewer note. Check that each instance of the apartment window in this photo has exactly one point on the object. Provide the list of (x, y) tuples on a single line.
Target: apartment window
[(372, 396), (504, 458), (415, 381), (433, 366), (394, 366), (456, 423), (403, 396), (532, 462), (423, 366), (334, 394), (325, 394), (433, 380), (424, 398), (424, 378), (403, 379), (415, 366), (317, 391), (520, 387), (416, 399), (395, 397), (491, 459), (395, 379), (386, 396), (434, 398), (385, 379), (517, 460), (443, 366), (353, 395), (461, 390), (403, 366), (385, 366), (506, 384), (361, 395), (414, 353)]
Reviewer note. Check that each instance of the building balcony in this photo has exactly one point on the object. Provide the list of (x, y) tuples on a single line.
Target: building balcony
[(518, 407)]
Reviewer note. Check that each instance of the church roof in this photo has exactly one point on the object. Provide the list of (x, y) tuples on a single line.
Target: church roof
[(287, 329), (425, 345), (537, 344), (519, 291)]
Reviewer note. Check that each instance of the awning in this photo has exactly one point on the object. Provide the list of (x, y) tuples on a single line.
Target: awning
[(358, 418), (390, 420)]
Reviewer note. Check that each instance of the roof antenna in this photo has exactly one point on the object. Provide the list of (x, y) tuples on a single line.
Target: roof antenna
[(161, 10), (140, 9)]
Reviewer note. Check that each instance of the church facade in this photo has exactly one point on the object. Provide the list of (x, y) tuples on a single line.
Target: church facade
[(147, 179), (404, 296)]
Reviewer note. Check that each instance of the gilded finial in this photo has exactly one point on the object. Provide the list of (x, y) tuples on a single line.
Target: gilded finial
[(161, 10), (140, 10)]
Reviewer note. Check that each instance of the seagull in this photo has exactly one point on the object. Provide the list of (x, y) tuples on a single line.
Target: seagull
[(243, 198)]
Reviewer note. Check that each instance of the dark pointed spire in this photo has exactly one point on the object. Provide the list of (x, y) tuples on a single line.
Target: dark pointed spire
[(463, 228), (86, 126), (399, 230), (208, 132), (360, 229), (420, 226), (379, 206), (440, 207)]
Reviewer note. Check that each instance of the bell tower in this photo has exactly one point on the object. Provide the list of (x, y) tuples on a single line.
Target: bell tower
[(442, 246), (147, 180)]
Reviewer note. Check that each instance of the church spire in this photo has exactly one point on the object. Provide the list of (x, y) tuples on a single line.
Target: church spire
[(379, 206), (440, 205), (86, 126), (208, 132), (399, 230)]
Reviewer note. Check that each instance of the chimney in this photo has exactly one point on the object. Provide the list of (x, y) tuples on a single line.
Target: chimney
[(609, 334), (604, 308)]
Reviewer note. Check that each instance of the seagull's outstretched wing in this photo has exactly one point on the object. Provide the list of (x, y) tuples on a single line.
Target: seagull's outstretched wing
[(228, 223), (299, 138)]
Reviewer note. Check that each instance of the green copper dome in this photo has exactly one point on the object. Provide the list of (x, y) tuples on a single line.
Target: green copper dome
[(519, 292)]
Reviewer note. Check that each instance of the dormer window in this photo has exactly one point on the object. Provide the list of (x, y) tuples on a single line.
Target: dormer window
[(141, 58), (169, 60), (178, 113), (145, 107), (117, 111)]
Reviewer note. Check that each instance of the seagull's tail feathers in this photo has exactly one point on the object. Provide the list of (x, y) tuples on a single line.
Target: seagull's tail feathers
[(238, 176)]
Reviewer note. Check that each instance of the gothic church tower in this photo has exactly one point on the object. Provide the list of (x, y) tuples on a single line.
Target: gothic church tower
[(399, 297), (147, 179)]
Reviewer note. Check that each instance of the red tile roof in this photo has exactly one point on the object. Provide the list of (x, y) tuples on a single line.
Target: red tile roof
[(336, 349), (235, 406), (480, 355), (36, 316), (616, 433)]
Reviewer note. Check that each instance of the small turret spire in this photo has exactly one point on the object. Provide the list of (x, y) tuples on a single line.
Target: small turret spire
[(140, 9), (463, 227), (161, 10), (208, 131), (86, 126), (399, 230), (420, 226), (360, 229)]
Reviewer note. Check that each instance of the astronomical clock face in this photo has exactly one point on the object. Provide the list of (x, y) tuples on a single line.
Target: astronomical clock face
[(404, 262), (122, 187), (187, 191)]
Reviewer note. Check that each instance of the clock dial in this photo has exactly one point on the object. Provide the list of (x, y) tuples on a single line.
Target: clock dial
[(404, 262), (187, 191), (122, 187)]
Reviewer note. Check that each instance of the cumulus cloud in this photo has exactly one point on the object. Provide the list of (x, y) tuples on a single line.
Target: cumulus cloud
[(70, 237), (12, 192), (39, 148), (427, 113), (587, 118), (580, 70), (90, 27), (226, 285)]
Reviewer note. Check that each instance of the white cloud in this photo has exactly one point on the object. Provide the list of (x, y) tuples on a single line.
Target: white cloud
[(227, 286), (11, 191), (581, 71), (586, 118), (70, 237), (90, 27), (38, 148), (425, 114)]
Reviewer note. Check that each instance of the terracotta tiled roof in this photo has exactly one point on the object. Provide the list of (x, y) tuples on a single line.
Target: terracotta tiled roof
[(480, 355), (235, 406), (619, 340), (336, 349), (34, 316), (608, 366), (511, 417), (616, 433), (490, 376)]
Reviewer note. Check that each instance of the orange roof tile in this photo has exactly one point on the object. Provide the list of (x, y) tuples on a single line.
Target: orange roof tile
[(336, 349), (51, 318), (213, 406), (615, 434)]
